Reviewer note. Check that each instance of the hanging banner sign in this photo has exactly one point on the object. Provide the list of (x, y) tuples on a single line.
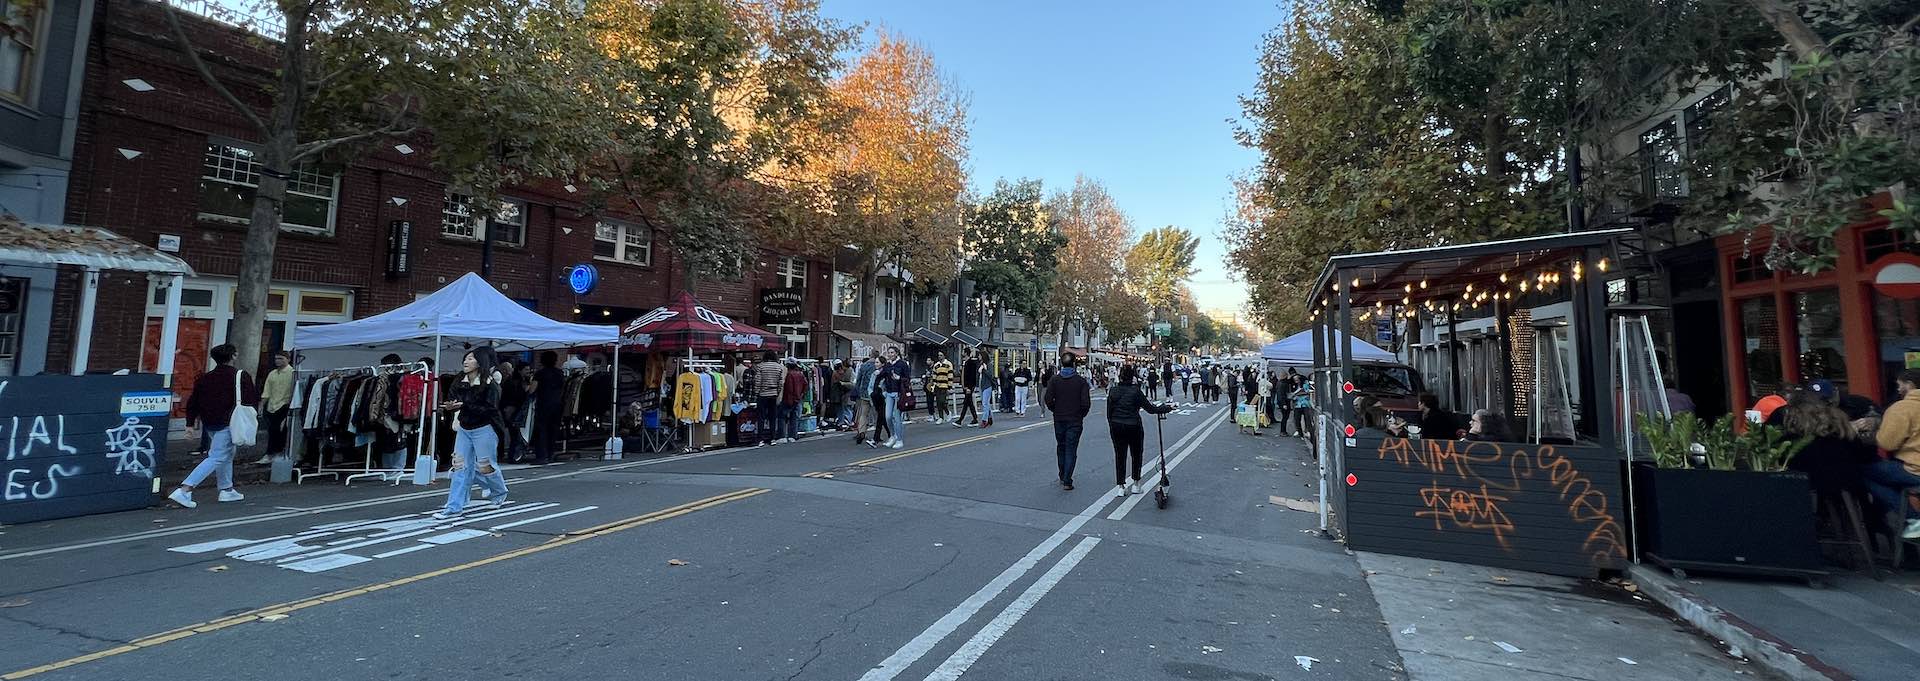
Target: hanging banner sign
[(781, 305), (399, 249)]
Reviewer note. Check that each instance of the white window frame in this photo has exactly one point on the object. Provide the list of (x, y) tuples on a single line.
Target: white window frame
[(840, 282), (30, 47), (457, 208), (235, 170), (889, 303), (953, 309), (792, 272), (622, 247)]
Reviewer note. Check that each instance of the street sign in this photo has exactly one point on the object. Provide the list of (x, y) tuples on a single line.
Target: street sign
[(1163, 329)]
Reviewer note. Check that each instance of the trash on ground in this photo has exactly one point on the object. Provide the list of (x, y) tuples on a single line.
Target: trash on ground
[(1628, 661), (15, 603), (1503, 645), (1735, 651), (1306, 505), (1305, 662), (676, 562), (273, 617), (1209, 650), (217, 568), (1503, 579), (1411, 628)]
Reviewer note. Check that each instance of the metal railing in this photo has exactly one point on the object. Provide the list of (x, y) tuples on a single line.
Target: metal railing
[(253, 16)]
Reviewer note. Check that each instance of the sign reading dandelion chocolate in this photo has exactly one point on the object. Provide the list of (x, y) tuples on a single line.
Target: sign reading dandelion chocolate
[(781, 305)]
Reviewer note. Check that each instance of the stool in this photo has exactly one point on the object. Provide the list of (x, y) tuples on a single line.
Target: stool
[(1897, 523), (1841, 526)]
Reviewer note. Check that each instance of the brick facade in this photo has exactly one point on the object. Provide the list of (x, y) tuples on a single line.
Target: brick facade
[(157, 192)]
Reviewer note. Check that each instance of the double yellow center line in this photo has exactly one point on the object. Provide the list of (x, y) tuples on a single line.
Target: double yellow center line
[(275, 611), (896, 456)]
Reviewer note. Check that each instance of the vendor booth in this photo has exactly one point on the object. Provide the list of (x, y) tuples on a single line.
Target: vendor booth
[(345, 399), (685, 342)]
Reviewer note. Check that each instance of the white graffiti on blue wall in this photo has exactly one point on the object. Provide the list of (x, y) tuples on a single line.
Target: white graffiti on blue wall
[(130, 445)]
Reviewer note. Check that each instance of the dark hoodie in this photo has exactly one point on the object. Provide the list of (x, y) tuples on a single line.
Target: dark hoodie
[(1069, 396), (1125, 402)]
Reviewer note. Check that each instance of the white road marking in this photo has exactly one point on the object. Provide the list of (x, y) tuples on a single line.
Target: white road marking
[(326, 563), (910, 653), (970, 652), (529, 521), (410, 549), (454, 536), (1152, 481)]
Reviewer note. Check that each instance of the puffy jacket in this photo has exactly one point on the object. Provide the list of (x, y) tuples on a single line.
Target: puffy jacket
[(1125, 402), (768, 378)]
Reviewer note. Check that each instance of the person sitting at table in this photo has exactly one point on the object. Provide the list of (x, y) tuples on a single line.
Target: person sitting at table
[(1436, 422), (1487, 426)]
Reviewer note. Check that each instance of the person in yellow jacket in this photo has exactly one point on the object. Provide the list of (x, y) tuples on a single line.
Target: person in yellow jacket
[(939, 383), (1899, 434)]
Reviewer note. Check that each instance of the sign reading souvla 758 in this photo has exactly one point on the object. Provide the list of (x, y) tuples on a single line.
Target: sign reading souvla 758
[(78, 445)]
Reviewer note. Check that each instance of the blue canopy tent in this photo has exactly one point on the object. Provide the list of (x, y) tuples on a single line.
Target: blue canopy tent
[(1297, 351)]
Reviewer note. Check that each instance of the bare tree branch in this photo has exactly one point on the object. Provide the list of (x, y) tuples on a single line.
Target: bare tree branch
[(206, 73)]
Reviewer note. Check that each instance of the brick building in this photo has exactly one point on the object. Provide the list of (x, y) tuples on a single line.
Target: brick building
[(160, 157)]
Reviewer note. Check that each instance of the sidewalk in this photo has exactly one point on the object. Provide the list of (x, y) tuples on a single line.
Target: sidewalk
[(1853, 628), (1449, 621)]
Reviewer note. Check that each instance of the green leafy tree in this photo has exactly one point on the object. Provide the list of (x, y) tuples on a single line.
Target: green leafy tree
[(1091, 264), (1012, 247), (1160, 263), (494, 79)]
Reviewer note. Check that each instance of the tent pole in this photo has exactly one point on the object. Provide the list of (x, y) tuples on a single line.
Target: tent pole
[(613, 422), (433, 380), (689, 367)]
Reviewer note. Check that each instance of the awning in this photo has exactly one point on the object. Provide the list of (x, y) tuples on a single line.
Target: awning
[(926, 335), (866, 342), (91, 247), (966, 339), (685, 324)]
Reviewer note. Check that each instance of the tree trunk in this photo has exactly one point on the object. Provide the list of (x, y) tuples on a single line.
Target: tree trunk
[(269, 196)]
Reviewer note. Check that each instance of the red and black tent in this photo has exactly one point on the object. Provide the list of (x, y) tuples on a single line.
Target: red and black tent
[(685, 324)]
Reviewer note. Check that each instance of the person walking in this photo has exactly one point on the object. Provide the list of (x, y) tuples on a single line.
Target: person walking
[(1190, 380), (1153, 384), (1233, 394), (791, 392), (1069, 397), (769, 379), (1003, 386), (1022, 381), (895, 378), (1047, 375), (1129, 435), (987, 385), (1899, 434), (864, 388), (1302, 397), (839, 401), (513, 401), (1267, 395), (549, 392), (276, 395), (942, 380), (210, 410), (474, 401), (969, 386)]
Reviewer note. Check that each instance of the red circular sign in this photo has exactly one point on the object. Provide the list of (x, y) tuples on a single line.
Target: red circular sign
[(1898, 276), (1350, 431), (1351, 480), (1348, 386)]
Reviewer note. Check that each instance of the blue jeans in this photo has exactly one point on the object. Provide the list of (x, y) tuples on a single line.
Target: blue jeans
[(475, 448), (846, 414), (1066, 438), (986, 404), (219, 461), (894, 417), (1888, 481), (789, 420)]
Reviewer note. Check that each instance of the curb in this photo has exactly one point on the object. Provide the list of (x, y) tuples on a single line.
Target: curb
[(1761, 647)]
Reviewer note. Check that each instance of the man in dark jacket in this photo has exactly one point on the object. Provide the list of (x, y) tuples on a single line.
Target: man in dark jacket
[(1124, 404), (1069, 397), (970, 384), (210, 408)]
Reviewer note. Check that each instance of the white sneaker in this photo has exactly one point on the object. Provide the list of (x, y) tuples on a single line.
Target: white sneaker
[(1913, 529), (896, 443), (443, 515), (264, 460), (497, 503), (231, 495), (182, 497), (1119, 491), (1134, 488), (762, 443)]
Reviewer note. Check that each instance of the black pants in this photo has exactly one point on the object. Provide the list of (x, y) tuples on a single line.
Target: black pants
[(1233, 401), (1066, 440), (1299, 421), (1129, 444), (514, 444), (277, 432), (937, 406), (546, 427), (768, 408), (880, 417), (966, 406)]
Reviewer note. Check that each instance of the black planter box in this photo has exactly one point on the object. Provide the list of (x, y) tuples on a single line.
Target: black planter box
[(1735, 521)]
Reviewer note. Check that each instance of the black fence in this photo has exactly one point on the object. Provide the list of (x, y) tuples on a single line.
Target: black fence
[(77, 445), (1555, 509)]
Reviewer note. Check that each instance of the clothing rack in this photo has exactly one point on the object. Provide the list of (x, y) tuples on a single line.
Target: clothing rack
[(697, 366), (296, 435)]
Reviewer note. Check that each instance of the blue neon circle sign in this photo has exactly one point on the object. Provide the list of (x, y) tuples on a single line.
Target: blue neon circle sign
[(582, 278)]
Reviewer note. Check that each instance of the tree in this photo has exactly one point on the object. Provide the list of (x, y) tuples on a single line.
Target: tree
[(1012, 247), (1122, 313), (1090, 272), (346, 73), (1160, 262)]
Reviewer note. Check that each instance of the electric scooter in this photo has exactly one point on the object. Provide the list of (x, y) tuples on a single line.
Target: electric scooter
[(1160, 491)]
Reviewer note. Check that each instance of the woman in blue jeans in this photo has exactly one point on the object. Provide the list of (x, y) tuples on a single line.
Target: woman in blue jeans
[(474, 400)]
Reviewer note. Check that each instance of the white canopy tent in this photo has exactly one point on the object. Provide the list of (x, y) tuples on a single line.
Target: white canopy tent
[(466, 313), (1297, 351)]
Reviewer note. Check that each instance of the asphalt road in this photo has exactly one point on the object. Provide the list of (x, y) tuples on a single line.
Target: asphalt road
[(957, 557)]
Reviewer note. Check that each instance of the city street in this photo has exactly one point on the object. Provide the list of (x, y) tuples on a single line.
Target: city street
[(817, 560)]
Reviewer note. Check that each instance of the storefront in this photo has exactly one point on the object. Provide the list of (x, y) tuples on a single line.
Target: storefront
[(1786, 329), (206, 309)]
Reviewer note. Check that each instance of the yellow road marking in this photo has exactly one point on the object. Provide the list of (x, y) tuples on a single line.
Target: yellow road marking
[(970, 440), (283, 608)]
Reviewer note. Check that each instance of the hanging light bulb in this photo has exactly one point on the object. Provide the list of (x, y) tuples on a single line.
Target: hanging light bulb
[(606, 313), (1469, 287), (1406, 301), (1336, 287), (1576, 270), (1509, 295), (1423, 284), (1523, 287), (576, 310), (1409, 288), (1503, 277)]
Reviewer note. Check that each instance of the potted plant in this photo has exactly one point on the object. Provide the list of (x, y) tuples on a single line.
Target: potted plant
[(1719, 498)]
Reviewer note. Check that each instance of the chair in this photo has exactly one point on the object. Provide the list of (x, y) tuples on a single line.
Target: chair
[(654, 438), (1841, 525)]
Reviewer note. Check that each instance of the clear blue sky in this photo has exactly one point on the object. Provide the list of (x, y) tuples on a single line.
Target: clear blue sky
[(1134, 93)]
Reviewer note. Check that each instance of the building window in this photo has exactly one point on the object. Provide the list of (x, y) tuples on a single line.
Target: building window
[(1760, 338), (323, 303), (459, 220), (20, 28), (889, 303), (1816, 323), (14, 292), (793, 272), (953, 309), (189, 297), (846, 295), (276, 299), (1747, 268), (624, 242), (1897, 322), (230, 173), (1662, 174), (796, 336)]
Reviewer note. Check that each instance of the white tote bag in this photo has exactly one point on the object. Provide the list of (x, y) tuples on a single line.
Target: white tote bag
[(244, 426)]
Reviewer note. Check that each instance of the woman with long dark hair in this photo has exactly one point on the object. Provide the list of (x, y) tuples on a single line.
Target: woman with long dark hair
[(474, 402), (1124, 404)]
